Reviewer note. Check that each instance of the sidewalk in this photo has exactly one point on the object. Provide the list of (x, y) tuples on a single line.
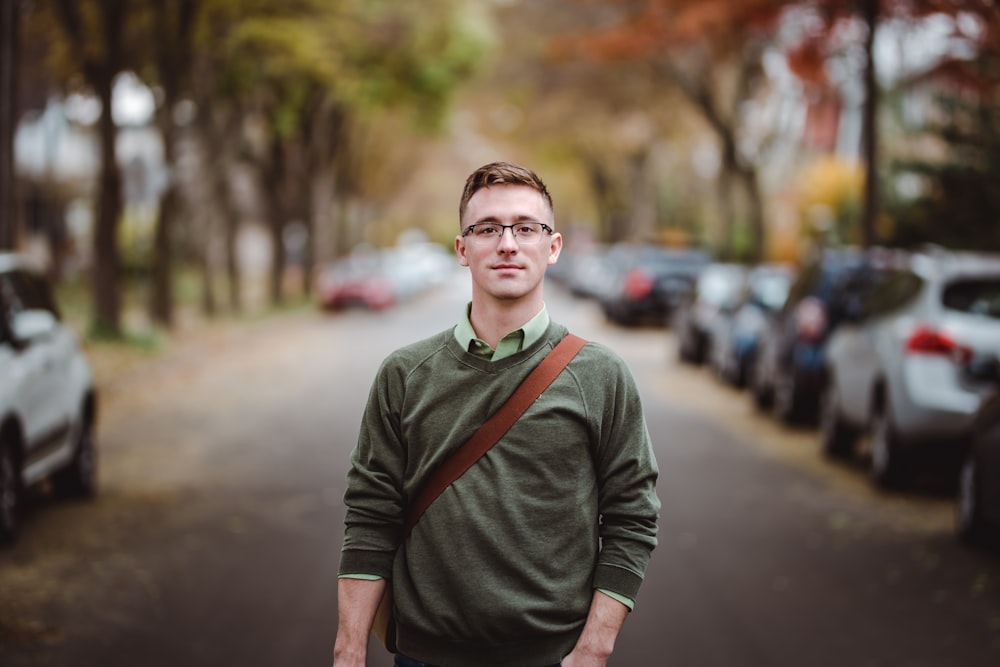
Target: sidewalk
[(124, 366)]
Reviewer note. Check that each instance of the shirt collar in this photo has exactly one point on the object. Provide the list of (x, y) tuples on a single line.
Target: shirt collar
[(512, 343)]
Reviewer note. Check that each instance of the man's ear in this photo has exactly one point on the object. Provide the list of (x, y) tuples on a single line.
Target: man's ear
[(460, 250), (555, 247)]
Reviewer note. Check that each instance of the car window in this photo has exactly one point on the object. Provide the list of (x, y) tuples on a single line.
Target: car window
[(803, 285), (896, 290), (770, 291), (977, 297), (719, 287), (25, 291), (849, 294)]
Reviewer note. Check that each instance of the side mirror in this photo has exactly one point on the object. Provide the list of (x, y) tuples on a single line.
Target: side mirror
[(30, 325)]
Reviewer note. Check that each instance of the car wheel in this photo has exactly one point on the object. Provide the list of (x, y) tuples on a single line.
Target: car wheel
[(837, 439), (761, 392), (786, 404), (10, 493), (79, 478), (705, 349), (742, 370), (886, 458), (683, 354), (969, 522)]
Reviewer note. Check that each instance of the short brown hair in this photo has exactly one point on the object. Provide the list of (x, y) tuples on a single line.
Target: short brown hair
[(500, 173)]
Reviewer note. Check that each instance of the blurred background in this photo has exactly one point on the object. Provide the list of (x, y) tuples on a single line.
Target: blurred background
[(783, 214), (221, 152)]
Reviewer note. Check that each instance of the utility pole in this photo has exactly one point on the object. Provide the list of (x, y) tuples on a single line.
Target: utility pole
[(9, 46)]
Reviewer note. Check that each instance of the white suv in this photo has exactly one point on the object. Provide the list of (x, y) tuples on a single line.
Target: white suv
[(47, 396), (896, 369)]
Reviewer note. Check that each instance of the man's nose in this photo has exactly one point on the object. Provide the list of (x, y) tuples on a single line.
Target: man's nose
[(508, 242)]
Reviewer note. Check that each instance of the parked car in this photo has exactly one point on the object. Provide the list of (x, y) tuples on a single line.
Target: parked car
[(788, 371), (378, 278), (978, 502), (713, 299), (345, 286), (587, 273), (737, 336), (646, 282), (47, 396), (896, 369)]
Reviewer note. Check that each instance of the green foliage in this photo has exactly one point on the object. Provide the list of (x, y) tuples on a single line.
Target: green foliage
[(364, 56)]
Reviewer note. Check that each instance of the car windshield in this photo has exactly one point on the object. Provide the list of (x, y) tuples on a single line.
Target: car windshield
[(976, 297), (720, 286), (771, 290)]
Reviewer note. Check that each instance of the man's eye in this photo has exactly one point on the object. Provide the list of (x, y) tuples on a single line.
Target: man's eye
[(527, 228), (487, 230)]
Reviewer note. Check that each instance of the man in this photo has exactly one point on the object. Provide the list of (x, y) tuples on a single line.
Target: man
[(534, 556)]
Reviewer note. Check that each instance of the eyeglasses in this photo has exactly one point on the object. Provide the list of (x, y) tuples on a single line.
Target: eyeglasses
[(524, 232)]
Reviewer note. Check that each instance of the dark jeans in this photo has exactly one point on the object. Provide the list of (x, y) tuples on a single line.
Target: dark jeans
[(403, 661)]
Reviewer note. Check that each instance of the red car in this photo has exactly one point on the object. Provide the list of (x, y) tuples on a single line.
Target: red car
[(355, 282)]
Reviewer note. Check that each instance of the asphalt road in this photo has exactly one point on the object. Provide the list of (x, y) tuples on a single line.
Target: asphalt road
[(216, 535)]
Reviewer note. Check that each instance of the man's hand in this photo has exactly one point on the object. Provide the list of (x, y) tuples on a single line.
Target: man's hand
[(597, 640), (357, 601)]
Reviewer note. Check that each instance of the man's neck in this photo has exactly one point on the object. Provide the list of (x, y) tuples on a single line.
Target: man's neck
[(493, 320)]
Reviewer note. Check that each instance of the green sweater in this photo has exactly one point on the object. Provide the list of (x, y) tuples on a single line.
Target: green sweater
[(500, 570)]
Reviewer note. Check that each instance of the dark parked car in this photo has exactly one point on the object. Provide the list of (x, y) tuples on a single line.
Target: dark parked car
[(714, 298), (646, 282), (978, 504), (788, 373), (737, 336)]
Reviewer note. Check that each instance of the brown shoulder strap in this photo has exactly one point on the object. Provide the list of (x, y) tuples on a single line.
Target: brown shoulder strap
[(495, 427)]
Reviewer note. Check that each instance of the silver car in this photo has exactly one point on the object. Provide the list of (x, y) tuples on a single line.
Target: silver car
[(47, 396), (736, 335), (715, 295), (895, 368)]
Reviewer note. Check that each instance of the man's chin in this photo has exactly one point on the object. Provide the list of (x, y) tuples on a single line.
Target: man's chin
[(508, 292)]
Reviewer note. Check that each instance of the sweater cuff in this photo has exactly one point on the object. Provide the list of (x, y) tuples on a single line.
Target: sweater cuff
[(376, 563), (617, 580)]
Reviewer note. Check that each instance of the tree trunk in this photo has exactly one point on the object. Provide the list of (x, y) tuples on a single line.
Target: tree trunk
[(9, 59), (870, 210), (642, 226), (100, 74), (219, 134), (733, 167), (209, 302), (274, 186), (610, 225), (234, 277), (726, 208), (755, 209), (173, 59), (107, 274), (107, 259), (161, 305)]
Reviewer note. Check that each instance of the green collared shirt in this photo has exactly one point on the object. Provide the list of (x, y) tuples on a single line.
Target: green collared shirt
[(512, 343)]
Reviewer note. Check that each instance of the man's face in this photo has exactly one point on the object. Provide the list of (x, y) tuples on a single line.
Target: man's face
[(505, 269)]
